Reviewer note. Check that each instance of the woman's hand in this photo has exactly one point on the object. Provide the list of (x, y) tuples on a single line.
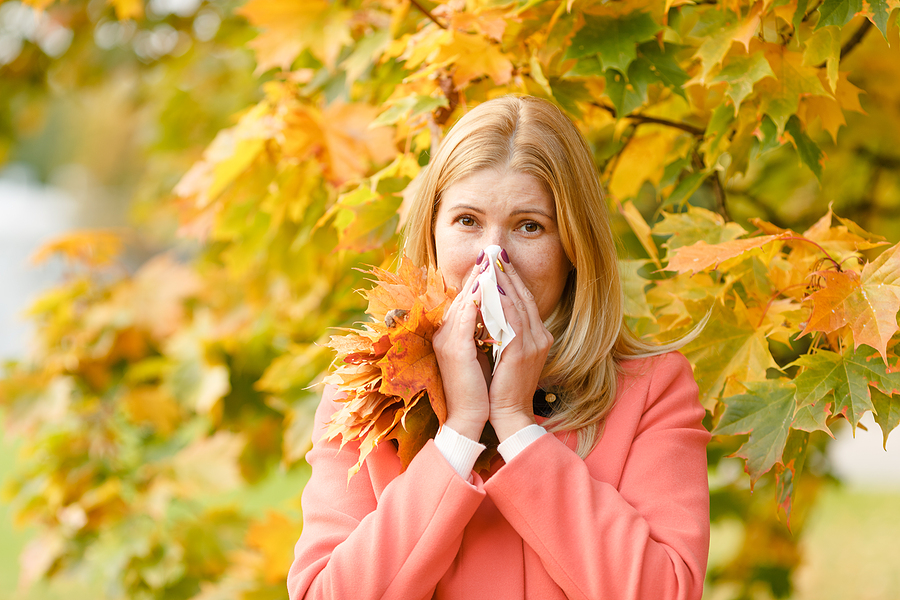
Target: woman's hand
[(462, 364), (516, 376)]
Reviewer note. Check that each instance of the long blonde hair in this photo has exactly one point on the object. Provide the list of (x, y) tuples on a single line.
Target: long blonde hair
[(532, 136)]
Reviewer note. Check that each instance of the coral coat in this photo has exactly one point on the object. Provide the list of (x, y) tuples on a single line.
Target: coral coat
[(630, 521)]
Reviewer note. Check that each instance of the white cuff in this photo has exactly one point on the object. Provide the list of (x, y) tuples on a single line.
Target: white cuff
[(511, 446), (460, 451)]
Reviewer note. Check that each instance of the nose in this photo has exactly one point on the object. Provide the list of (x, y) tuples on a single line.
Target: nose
[(495, 236), (491, 237)]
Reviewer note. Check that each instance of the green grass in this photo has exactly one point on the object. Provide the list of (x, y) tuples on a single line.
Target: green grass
[(852, 547), (12, 538)]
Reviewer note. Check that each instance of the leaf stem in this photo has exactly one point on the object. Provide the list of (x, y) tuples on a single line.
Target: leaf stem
[(427, 13), (772, 299), (836, 264)]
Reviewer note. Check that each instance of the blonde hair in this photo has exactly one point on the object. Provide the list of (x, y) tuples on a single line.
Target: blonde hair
[(532, 136)]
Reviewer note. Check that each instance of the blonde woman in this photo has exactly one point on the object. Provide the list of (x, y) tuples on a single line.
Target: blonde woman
[(602, 490)]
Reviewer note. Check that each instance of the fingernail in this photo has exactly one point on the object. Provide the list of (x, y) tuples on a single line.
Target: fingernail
[(504, 256), (500, 266), (500, 289), (475, 287), (480, 258)]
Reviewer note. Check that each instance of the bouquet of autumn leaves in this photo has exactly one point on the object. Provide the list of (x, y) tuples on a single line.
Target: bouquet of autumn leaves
[(386, 373)]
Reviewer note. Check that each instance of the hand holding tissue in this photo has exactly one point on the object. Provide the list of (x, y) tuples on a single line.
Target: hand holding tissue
[(495, 321)]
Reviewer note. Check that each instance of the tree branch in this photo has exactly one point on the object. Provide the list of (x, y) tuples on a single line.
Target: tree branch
[(693, 130), (856, 39), (719, 190), (427, 13)]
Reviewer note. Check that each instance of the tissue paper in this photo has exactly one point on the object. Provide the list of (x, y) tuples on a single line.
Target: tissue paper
[(491, 309)]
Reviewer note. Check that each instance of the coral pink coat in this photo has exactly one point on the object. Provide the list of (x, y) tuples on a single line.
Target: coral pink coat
[(630, 521)]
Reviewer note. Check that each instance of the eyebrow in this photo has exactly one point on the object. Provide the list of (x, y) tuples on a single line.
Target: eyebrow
[(521, 211)]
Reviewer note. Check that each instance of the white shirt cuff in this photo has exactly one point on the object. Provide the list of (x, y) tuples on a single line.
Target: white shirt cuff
[(460, 451), (511, 446)]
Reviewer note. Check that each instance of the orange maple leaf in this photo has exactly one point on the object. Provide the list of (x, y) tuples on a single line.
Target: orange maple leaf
[(385, 369), (402, 289), (868, 303), (419, 425), (410, 366), (702, 256)]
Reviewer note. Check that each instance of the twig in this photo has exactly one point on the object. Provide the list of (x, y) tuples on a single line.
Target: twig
[(856, 39), (719, 190), (427, 13), (696, 131)]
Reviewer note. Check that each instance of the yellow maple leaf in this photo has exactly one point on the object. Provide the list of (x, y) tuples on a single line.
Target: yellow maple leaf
[(290, 27), (826, 110), (643, 159), (93, 248), (228, 156), (340, 136), (488, 22), (475, 56), (153, 405), (274, 537), (749, 26)]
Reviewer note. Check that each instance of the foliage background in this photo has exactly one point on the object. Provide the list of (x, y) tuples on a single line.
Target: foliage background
[(164, 412)]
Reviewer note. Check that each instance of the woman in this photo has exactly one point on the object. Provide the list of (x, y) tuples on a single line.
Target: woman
[(613, 502)]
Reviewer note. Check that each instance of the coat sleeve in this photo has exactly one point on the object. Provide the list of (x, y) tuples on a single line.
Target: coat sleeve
[(646, 538), (398, 546)]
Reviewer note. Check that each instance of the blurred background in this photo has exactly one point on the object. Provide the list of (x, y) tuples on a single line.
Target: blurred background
[(104, 106)]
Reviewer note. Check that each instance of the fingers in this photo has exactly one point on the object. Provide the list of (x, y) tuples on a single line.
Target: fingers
[(518, 297)]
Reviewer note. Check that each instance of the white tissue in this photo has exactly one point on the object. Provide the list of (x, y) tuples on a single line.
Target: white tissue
[(491, 310)]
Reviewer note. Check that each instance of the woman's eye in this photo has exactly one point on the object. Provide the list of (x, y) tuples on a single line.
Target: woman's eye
[(531, 227), (466, 221)]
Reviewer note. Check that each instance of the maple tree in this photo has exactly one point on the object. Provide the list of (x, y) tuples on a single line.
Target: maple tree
[(720, 129)]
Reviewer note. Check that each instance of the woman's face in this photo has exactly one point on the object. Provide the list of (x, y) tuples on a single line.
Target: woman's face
[(509, 209)]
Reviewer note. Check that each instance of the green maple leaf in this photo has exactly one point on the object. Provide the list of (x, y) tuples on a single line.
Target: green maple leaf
[(765, 412), (613, 40), (780, 95), (768, 136), (887, 412), (879, 11), (741, 73), (824, 46), (728, 348), (838, 12), (657, 64), (633, 285), (622, 93), (846, 376), (719, 37), (696, 224), (569, 94), (813, 417), (408, 108), (809, 152), (793, 458), (685, 188)]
